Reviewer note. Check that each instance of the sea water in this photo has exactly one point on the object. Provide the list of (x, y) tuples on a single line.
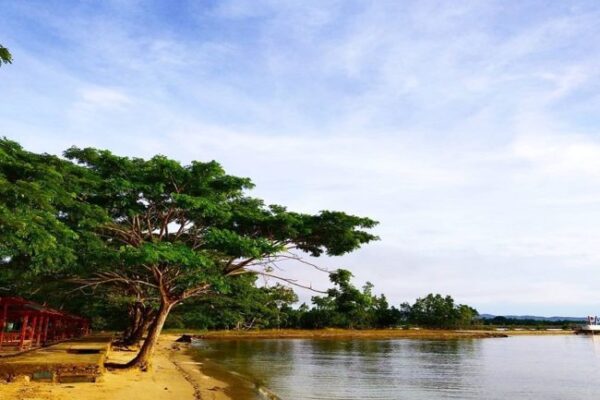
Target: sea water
[(557, 367)]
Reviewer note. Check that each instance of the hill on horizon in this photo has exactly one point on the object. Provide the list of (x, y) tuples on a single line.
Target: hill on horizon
[(533, 317)]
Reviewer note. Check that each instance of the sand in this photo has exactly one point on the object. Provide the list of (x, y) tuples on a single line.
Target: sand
[(174, 376)]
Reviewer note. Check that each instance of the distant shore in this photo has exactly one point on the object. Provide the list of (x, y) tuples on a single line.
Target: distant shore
[(432, 334), (523, 332)]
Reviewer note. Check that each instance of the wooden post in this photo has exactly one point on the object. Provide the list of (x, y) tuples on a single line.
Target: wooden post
[(53, 329), (3, 322), (45, 334), (59, 328), (40, 329), (25, 319), (33, 328)]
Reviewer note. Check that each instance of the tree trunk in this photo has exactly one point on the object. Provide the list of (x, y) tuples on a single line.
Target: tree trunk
[(141, 327), (135, 314), (144, 357)]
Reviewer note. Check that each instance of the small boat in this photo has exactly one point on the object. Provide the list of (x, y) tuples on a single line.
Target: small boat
[(592, 327)]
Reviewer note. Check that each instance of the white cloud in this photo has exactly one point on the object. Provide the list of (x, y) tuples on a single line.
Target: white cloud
[(468, 130), (104, 97), (564, 156)]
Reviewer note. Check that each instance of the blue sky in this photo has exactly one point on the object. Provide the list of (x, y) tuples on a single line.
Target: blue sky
[(468, 129)]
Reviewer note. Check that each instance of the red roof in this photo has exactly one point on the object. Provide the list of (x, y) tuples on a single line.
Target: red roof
[(25, 306)]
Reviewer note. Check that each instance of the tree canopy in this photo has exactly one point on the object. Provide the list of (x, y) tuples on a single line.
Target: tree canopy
[(155, 231), (437, 311), (44, 218), (179, 231)]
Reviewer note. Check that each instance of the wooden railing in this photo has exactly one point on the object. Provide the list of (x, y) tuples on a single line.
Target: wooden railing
[(11, 340)]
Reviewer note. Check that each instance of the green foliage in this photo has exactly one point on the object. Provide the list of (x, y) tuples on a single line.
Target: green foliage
[(527, 323), (245, 306), (194, 225), (5, 56), (233, 244), (147, 234), (345, 306), (436, 311), (44, 220)]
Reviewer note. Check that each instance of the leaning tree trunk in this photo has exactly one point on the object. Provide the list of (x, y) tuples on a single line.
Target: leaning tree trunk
[(143, 359), (135, 314), (136, 334)]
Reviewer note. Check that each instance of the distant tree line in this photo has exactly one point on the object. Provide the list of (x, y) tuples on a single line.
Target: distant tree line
[(529, 323), (343, 306)]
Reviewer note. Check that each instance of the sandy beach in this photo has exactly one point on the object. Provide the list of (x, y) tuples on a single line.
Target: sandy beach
[(174, 376)]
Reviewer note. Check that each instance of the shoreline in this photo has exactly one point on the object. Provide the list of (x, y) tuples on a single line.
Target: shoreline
[(210, 382), (370, 334)]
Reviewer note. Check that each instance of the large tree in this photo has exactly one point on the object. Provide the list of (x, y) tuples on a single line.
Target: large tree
[(345, 305), (183, 231)]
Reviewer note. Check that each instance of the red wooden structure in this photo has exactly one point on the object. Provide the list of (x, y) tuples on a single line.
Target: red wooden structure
[(25, 324)]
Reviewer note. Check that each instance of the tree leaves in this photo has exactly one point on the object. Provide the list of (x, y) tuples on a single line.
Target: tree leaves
[(437, 311), (155, 230), (42, 215), (5, 56)]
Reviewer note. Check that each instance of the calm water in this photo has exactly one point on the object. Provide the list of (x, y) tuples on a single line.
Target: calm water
[(542, 367)]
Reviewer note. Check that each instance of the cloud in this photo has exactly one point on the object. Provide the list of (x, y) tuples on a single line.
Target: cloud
[(561, 156), (469, 130), (103, 97)]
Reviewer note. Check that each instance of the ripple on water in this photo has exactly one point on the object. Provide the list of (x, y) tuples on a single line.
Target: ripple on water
[(548, 367)]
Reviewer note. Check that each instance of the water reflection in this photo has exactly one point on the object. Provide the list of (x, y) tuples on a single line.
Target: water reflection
[(557, 367)]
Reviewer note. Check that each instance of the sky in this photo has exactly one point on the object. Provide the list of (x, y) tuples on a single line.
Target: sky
[(469, 129)]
